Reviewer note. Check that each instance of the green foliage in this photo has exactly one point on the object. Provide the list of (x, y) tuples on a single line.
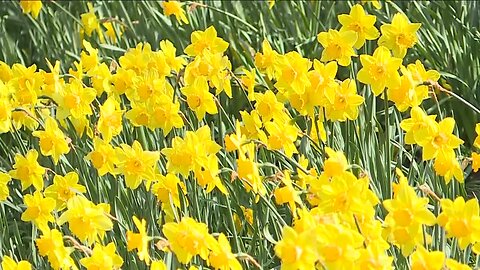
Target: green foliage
[(448, 41)]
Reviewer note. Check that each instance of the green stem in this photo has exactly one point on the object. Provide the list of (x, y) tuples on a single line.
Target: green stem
[(387, 146), (253, 28), (234, 229)]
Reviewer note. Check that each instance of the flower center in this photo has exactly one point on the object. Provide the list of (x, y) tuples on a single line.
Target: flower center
[(194, 101), (46, 144), (72, 101), (402, 217), (336, 50), (440, 139), (404, 40), (97, 159), (332, 252), (134, 166), (145, 91), (459, 228), (379, 70), (357, 27), (142, 119)]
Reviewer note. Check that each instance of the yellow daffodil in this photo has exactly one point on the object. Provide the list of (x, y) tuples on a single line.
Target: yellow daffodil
[(296, 250), (139, 114), (103, 157), (111, 31), (374, 256), (439, 140), (39, 210), (190, 153), (207, 40), (171, 7), (88, 56), (214, 67), (222, 257), (53, 141), (137, 59), (281, 136), (28, 171), (122, 80), (64, 188), (158, 265), (174, 62), (252, 124), (346, 102), (90, 23), (379, 70), (421, 75), (338, 46), (75, 100), (166, 188), (136, 164), (86, 220), (407, 213), (461, 220), (267, 106), (5, 115), (347, 196), (248, 81), (189, 238), (287, 194), (271, 3), (476, 143), (110, 121), (322, 83), (338, 246), (406, 93), (180, 157), (9, 264), (164, 114), (139, 241), (101, 78), (399, 35), (102, 257), (266, 61), (336, 165), (361, 23), (32, 7), (4, 191), (248, 171), (454, 265), (416, 126), (292, 73), (234, 141), (207, 175), (423, 259), (447, 165), (78, 72), (53, 83), (6, 73), (50, 244), (475, 161), (26, 83), (199, 99)]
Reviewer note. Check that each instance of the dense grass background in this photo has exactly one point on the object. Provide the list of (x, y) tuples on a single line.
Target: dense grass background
[(448, 42)]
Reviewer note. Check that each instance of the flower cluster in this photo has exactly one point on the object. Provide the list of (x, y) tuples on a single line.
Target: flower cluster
[(334, 217)]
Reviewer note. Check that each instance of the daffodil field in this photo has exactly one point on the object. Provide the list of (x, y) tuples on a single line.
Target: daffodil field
[(239, 135)]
